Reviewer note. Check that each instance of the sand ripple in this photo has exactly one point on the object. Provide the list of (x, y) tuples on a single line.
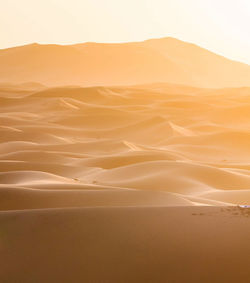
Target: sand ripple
[(155, 145)]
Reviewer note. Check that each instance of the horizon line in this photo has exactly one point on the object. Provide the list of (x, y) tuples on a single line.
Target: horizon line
[(127, 42)]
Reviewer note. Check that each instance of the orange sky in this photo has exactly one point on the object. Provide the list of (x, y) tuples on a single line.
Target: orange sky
[(219, 25)]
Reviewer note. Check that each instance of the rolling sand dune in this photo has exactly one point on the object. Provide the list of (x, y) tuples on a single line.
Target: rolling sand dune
[(124, 184)]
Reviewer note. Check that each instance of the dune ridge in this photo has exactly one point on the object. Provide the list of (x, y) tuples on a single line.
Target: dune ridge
[(124, 184), (142, 139)]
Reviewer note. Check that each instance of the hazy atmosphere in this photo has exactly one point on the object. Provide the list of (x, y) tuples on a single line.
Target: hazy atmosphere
[(221, 26), (124, 141)]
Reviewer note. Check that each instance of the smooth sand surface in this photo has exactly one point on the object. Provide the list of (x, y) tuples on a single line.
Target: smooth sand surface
[(124, 184), (132, 244)]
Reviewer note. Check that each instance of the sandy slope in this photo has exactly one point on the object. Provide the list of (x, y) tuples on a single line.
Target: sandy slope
[(124, 184), (148, 244)]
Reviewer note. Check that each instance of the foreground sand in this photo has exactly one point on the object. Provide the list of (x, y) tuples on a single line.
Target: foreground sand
[(187, 244), (128, 184)]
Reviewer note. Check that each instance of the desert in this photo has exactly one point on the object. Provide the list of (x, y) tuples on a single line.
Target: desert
[(133, 183)]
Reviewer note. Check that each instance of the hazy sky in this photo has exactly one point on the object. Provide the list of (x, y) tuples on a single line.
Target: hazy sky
[(222, 26)]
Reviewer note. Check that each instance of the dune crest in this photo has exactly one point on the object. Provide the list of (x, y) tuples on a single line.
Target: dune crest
[(145, 183), (140, 139)]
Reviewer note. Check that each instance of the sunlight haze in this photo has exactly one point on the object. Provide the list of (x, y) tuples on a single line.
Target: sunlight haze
[(220, 26), (124, 141)]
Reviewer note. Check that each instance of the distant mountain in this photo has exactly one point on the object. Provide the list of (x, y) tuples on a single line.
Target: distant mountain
[(155, 60)]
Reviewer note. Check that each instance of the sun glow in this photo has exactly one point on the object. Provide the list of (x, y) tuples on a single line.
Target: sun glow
[(221, 26)]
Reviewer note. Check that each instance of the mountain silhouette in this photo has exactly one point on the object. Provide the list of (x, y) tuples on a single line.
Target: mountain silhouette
[(167, 60)]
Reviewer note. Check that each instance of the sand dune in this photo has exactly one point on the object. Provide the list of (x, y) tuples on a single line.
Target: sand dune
[(126, 182), (150, 138), (136, 244)]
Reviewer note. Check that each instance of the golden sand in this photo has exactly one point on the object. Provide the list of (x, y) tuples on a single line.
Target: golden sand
[(124, 184)]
